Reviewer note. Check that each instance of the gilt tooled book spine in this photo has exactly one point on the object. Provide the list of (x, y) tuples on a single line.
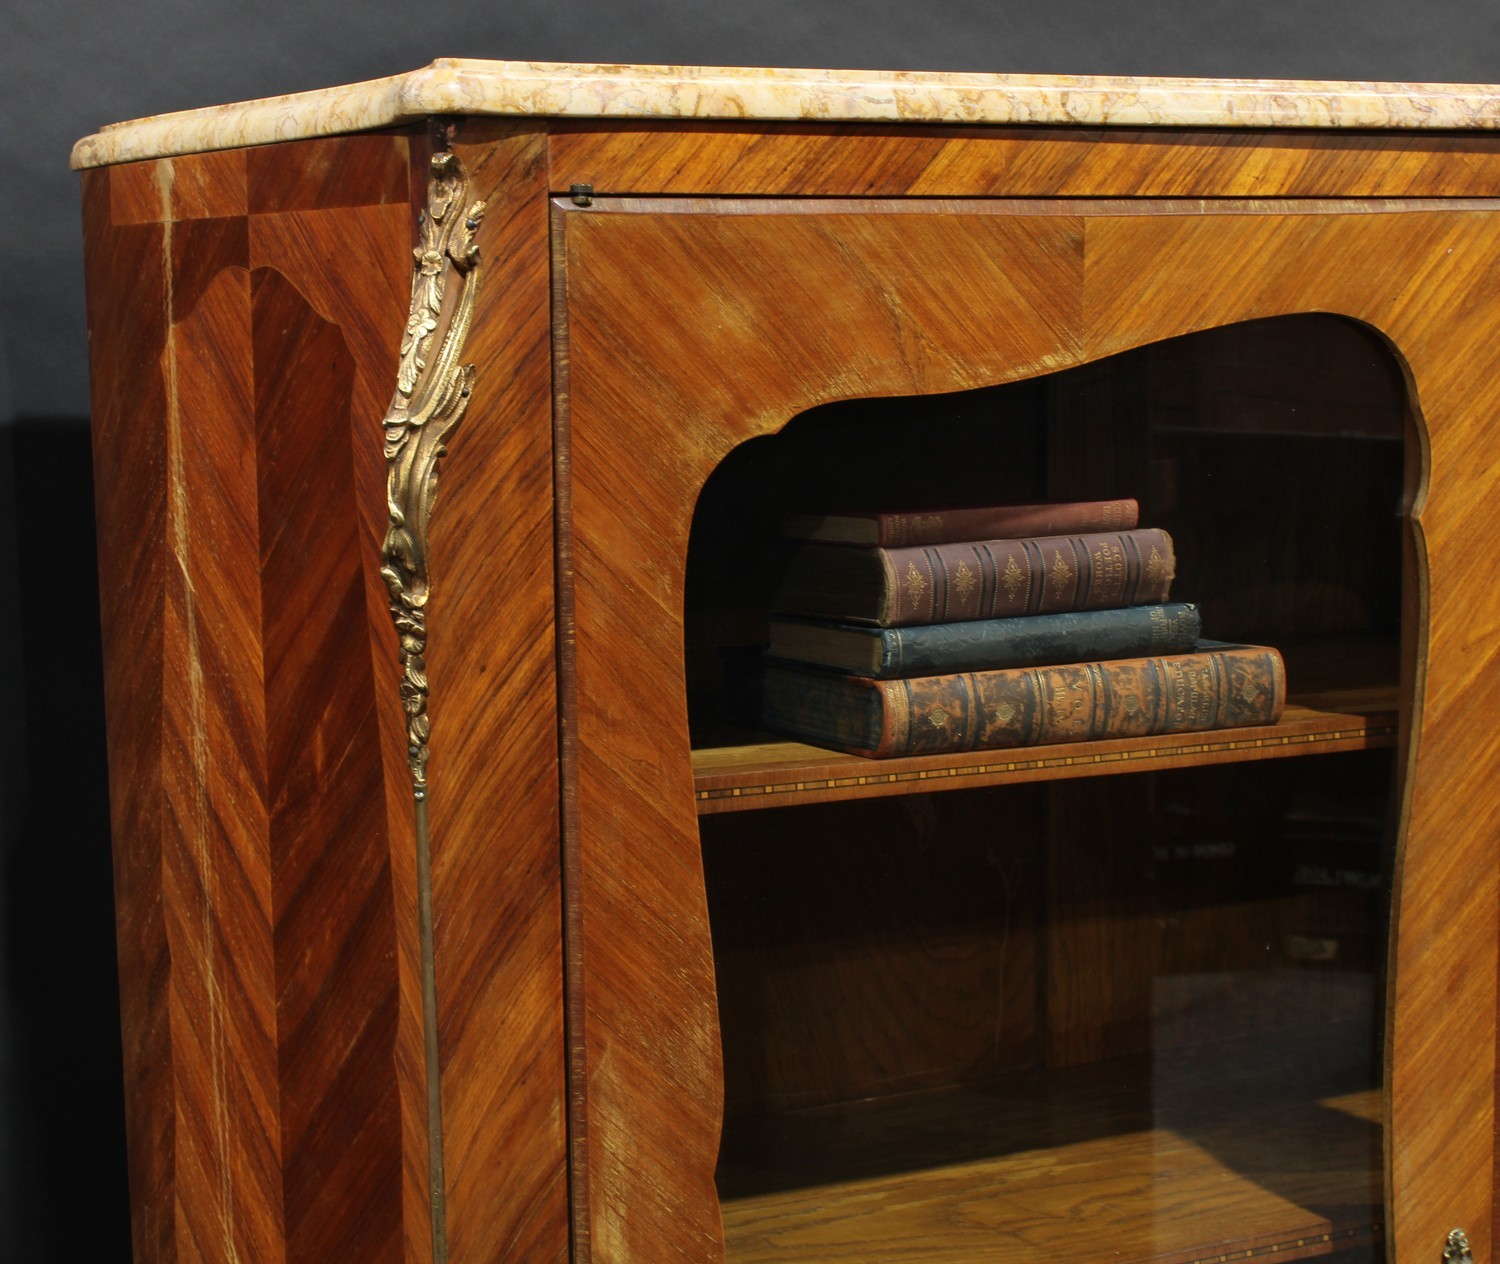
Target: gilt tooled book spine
[(984, 579), (1222, 687), (996, 579)]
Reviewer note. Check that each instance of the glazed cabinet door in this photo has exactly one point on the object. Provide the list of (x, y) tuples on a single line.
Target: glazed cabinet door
[(1153, 999)]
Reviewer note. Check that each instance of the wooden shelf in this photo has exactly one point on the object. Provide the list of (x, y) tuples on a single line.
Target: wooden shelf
[(1116, 1162), (748, 770)]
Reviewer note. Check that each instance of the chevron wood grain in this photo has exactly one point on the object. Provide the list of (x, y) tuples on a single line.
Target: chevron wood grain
[(810, 160), (788, 300), (278, 1130), (127, 292), (218, 880), (247, 310), (339, 1102), (352, 264), (323, 175), (497, 894)]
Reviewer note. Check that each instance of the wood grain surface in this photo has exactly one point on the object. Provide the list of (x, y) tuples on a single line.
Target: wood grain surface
[(644, 1110), (127, 293), (351, 297), (757, 772), (246, 312), (497, 891), (261, 994), (1117, 1161), (219, 875), (794, 310), (812, 160), (331, 252)]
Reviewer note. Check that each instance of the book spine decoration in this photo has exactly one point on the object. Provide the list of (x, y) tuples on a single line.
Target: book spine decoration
[(1228, 687), (995, 579), (897, 530), (1070, 637)]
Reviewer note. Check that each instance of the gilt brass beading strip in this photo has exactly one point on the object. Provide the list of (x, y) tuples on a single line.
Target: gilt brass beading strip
[(433, 388)]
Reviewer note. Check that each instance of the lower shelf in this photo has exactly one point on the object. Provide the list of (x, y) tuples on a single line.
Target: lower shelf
[(1128, 1161), (755, 771)]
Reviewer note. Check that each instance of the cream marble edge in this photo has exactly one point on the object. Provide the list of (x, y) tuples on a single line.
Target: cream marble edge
[(554, 90)]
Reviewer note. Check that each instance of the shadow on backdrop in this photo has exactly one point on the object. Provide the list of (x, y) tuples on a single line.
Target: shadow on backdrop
[(62, 1166)]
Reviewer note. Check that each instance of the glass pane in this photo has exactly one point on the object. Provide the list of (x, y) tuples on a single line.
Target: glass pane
[(1122, 1017)]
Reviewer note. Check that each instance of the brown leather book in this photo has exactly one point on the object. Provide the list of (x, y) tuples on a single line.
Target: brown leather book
[(1214, 687), (944, 526), (984, 579)]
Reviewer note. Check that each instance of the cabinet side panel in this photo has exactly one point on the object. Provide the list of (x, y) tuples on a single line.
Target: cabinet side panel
[(332, 271), (128, 326), (777, 160), (328, 174), (218, 874), (335, 985), (493, 785), (348, 254), (242, 366)]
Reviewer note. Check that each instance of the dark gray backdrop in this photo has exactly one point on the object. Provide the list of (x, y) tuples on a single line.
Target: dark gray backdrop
[(70, 66)]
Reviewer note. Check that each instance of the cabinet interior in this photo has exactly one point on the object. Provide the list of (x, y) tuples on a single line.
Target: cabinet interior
[(1135, 1016)]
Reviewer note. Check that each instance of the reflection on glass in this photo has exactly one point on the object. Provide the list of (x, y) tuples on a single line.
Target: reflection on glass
[(1113, 1018)]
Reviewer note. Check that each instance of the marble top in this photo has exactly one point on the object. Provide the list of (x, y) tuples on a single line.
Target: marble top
[(553, 90)]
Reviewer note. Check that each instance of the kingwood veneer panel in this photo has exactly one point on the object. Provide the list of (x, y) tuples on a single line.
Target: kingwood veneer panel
[(811, 160), (794, 309), (497, 898), (337, 247), (127, 293), (255, 303), (274, 880)]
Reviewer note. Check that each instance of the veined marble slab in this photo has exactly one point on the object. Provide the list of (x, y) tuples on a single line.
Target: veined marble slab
[(541, 89)]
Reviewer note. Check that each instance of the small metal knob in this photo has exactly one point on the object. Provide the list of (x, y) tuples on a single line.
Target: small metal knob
[(1456, 1249)]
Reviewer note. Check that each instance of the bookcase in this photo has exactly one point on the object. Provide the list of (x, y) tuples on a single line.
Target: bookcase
[(481, 933)]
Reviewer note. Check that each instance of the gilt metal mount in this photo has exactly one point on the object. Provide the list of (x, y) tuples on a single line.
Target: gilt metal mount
[(1456, 1249), (432, 392)]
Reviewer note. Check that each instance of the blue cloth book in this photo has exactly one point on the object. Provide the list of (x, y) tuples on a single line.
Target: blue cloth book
[(978, 645)]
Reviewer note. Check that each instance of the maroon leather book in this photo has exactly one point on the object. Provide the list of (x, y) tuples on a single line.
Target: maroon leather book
[(943, 526), (984, 579)]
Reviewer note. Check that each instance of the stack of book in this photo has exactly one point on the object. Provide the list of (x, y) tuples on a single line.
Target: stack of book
[(906, 634)]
